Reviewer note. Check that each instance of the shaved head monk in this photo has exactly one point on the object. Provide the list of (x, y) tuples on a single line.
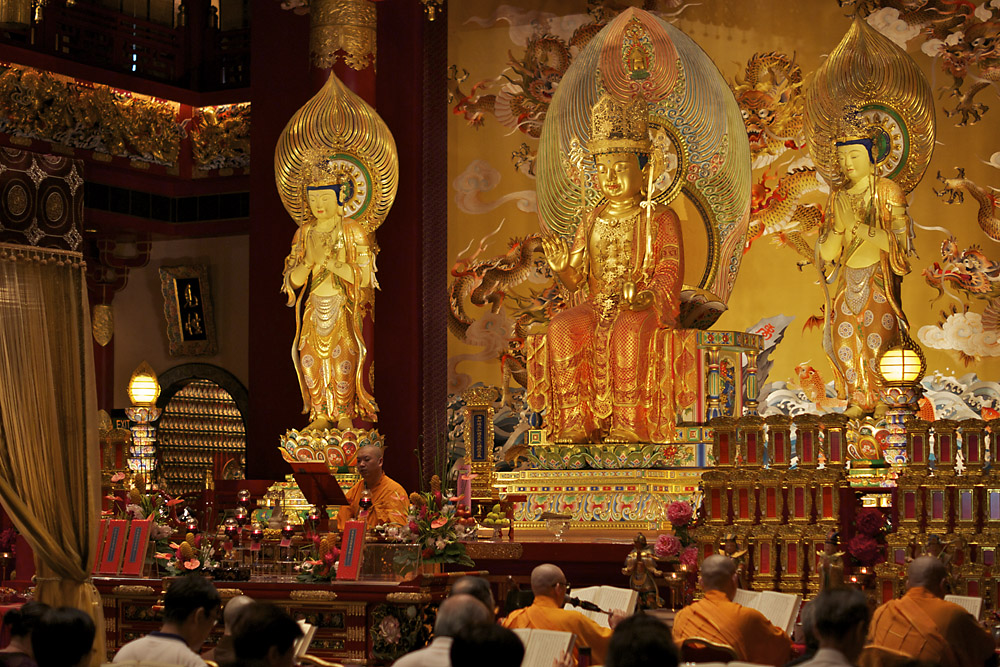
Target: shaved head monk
[(721, 621), (922, 625), (389, 502), (548, 583)]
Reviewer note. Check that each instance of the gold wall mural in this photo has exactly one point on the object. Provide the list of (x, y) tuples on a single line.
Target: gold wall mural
[(506, 60)]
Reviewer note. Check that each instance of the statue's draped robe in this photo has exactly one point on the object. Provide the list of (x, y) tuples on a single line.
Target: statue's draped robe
[(545, 615), (721, 621), (599, 358), (390, 504), (931, 630), (864, 312)]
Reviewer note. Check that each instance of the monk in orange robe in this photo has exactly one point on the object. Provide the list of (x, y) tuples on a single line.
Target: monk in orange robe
[(548, 583), (390, 504), (922, 625), (721, 621)]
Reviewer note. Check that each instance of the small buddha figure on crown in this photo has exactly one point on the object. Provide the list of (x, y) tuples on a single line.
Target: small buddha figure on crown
[(329, 277), (626, 263)]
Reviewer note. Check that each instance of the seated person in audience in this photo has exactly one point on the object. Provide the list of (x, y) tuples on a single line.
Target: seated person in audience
[(390, 504), (22, 622), (809, 637), (191, 609), (719, 620), (455, 615), (478, 588), (223, 651), (264, 636), (486, 646), (840, 620), (548, 583), (641, 641), (921, 624), (64, 637)]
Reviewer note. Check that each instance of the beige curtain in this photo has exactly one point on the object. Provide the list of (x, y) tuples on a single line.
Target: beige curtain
[(49, 454)]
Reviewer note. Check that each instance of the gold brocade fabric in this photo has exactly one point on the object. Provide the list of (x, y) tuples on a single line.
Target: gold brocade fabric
[(602, 365), (49, 460)]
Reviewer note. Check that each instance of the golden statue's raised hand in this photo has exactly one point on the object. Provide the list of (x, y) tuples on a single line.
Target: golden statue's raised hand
[(556, 252)]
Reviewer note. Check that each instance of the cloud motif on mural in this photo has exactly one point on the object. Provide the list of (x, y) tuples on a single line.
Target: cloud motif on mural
[(479, 177), (994, 160), (888, 22), (964, 333)]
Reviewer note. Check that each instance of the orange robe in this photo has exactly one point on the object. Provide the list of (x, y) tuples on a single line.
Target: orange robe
[(545, 615), (390, 504), (930, 629), (719, 620)]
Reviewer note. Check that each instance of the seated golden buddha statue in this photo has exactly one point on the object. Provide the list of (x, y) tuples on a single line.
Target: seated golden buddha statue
[(625, 269), (332, 266)]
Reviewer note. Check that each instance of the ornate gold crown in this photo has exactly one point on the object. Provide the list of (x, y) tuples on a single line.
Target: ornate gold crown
[(852, 126), (619, 128), (326, 173)]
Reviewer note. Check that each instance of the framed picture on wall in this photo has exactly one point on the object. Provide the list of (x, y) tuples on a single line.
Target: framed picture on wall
[(187, 305)]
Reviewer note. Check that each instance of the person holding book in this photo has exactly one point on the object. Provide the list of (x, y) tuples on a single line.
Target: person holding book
[(924, 625), (381, 499), (222, 652), (456, 614), (264, 636), (840, 621), (718, 619), (548, 583)]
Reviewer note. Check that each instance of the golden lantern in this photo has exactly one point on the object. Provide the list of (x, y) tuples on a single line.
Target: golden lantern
[(901, 367), (143, 388)]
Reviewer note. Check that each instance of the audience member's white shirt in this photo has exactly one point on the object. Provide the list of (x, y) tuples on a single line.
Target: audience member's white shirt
[(435, 654), (827, 657), (160, 647)]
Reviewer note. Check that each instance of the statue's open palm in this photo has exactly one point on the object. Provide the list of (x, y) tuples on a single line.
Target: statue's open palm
[(556, 252)]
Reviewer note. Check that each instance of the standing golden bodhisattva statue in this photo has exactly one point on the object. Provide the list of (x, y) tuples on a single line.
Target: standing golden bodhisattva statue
[(869, 234), (332, 265), (628, 252), (640, 566)]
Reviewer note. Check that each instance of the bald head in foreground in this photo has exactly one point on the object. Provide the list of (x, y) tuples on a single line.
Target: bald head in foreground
[(720, 620), (458, 614), (923, 625), (549, 585), (390, 503)]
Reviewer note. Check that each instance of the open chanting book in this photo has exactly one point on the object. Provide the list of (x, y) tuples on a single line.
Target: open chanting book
[(608, 598), (970, 604), (542, 647), (782, 609), (302, 643)]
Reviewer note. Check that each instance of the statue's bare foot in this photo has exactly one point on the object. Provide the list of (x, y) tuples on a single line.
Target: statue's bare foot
[(572, 436), (623, 435), (318, 424), (345, 423)]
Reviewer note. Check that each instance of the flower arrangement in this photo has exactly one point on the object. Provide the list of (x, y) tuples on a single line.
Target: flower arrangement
[(324, 567), (433, 524), (679, 545), (143, 503), (867, 547), (194, 553)]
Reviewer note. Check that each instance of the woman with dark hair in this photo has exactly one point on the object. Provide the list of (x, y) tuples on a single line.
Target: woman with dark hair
[(22, 622)]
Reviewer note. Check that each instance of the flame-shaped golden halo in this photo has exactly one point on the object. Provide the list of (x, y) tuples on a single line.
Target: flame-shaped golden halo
[(340, 130), (868, 74)]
